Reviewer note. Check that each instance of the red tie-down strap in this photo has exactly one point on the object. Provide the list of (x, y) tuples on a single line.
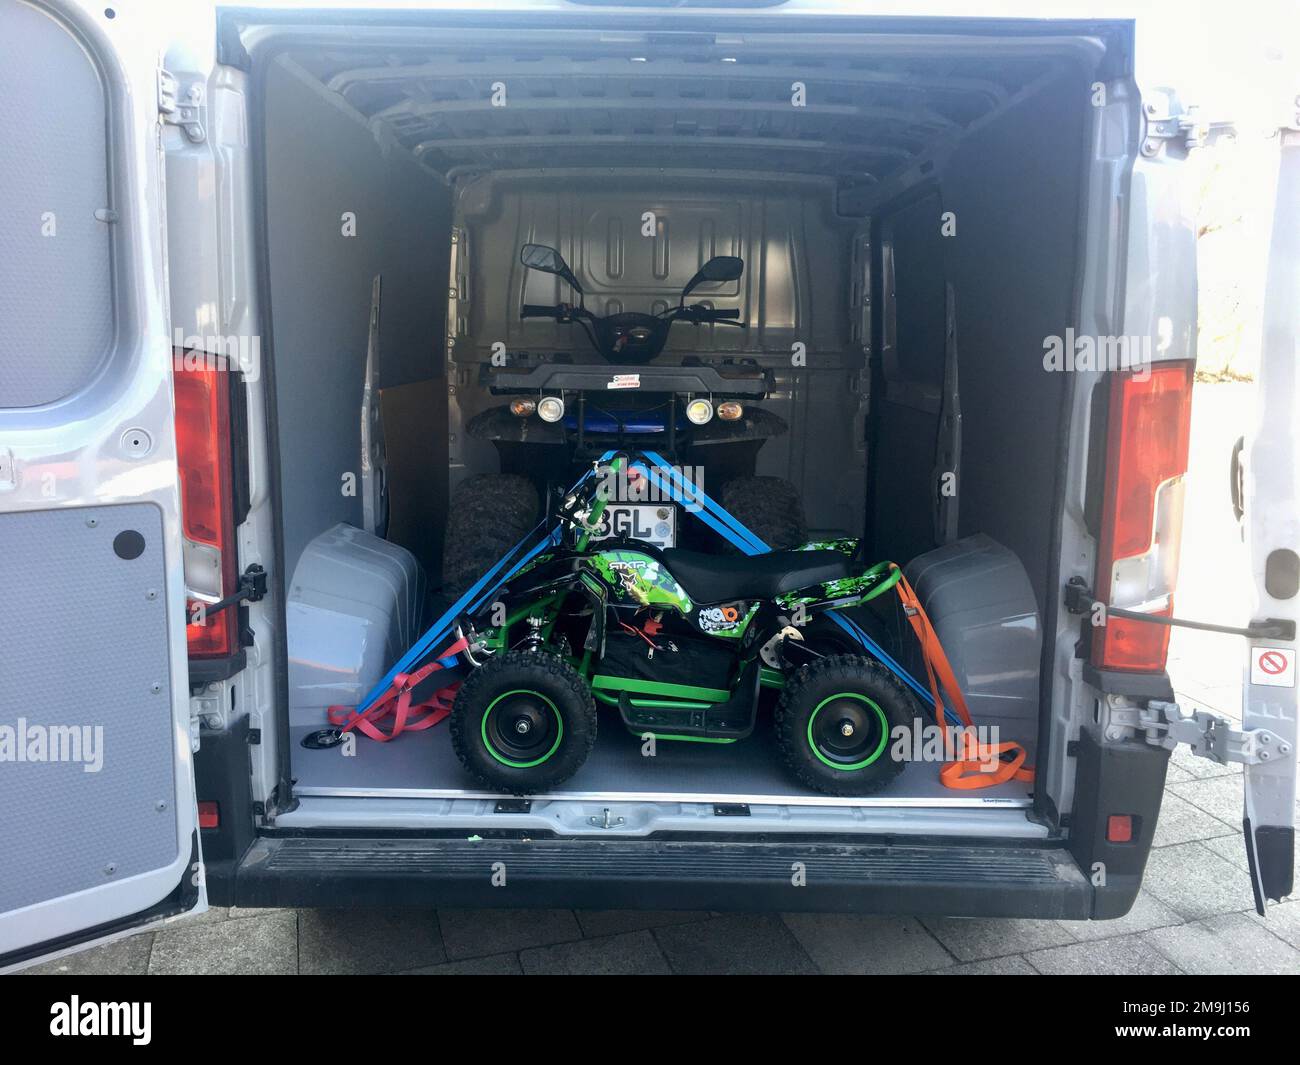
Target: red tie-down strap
[(970, 769), (397, 703)]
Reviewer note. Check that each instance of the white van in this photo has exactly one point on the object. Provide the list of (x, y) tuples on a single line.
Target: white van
[(268, 403)]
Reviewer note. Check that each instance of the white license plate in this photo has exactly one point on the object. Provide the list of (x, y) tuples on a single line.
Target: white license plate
[(655, 523)]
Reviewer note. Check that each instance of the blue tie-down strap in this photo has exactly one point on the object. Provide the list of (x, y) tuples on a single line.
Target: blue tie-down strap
[(734, 532), (439, 634), (668, 479)]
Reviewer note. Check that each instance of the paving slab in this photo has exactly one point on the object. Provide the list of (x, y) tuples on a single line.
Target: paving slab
[(1229, 944), (1220, 797), (126, 957), (1196, 882), (742, 943), (1011, 965), (611, 922), (218, 914), (266, 946), (1182, 822), (361, 941), (1148, 912), (1281, 919), (853, 943), (490, 965), (626, 954), (469, 933), (1127, 955), (976, 939)]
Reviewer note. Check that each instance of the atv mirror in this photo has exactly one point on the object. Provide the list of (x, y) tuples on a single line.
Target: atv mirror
[(719, 268), (548, 260)]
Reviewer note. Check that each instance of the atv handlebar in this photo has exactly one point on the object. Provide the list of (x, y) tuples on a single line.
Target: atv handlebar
[(559, 312), (697, 312)]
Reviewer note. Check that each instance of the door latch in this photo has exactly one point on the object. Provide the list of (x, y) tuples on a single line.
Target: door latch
[(252, 587), (183, 109)]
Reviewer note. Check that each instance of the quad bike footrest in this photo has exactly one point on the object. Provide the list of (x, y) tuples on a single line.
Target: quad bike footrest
[(732, 719)]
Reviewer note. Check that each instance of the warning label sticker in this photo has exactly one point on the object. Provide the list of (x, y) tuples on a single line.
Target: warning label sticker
[(1272, 666)]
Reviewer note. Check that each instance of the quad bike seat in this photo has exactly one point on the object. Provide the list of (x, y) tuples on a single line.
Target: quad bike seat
[(714, 578)]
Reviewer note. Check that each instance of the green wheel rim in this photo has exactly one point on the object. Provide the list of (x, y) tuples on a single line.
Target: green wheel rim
[(487, 743), (873, 756)]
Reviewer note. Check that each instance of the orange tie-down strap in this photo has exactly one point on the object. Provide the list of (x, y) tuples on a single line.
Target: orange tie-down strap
[(396, 702), (970, 768)]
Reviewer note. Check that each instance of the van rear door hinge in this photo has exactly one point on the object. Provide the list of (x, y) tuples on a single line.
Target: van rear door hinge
[(1210, 736), (1168, 120), (183, 108)]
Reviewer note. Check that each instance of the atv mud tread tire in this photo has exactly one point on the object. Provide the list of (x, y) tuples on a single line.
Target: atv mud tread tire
[(489, 514), (805, 690), (770, 507), (554, 678)]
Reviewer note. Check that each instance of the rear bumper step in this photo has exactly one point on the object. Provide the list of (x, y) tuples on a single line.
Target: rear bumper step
[(938, 879)]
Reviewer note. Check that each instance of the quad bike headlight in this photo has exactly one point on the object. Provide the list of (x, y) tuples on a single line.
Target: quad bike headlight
[(699, 411), (730, 411), (521, 408), (550, 408)]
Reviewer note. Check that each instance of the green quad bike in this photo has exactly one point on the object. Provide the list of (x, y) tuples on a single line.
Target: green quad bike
[(679, 645)]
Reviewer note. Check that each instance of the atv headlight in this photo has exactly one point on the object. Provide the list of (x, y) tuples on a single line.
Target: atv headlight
[(521, 408), (730, 411), (699, 411), (550, 408)]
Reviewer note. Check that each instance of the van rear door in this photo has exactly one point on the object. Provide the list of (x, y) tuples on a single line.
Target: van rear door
[(1272, 532), (98, 822)]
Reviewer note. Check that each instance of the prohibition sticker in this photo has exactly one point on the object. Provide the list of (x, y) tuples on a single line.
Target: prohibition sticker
[(1272, 666)]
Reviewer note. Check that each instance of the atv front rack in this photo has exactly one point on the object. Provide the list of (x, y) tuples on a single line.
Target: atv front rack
[(569, 377)]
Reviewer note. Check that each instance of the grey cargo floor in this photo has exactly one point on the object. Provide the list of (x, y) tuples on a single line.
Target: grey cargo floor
[(423, 764)]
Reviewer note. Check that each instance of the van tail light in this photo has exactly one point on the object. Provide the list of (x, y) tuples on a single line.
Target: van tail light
[(1142, 512), (203, 453)]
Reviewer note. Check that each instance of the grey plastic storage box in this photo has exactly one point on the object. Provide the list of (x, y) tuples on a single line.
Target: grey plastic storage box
[(355, 604), (978, 597)]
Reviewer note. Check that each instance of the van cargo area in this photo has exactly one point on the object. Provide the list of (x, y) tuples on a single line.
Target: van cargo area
[(905, 203)]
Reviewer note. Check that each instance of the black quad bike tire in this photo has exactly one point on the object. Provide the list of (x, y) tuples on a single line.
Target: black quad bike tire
[(532, 684), (869, 696), (489, 514), (770, 507)]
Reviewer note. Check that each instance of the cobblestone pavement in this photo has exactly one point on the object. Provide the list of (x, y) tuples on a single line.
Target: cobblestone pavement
[(1195, 913)]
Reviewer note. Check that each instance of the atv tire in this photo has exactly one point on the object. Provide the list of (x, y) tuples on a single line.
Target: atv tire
[(825, 698), (523, 722), (769, 507), (489, 514)]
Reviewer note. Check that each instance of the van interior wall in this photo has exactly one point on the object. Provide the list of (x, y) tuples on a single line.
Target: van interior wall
[(1013, 187), (340, 210)]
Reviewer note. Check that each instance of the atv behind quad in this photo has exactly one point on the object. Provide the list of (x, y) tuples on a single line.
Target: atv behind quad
[(562, 414)]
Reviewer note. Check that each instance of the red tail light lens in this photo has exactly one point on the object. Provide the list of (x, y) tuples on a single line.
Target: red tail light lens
[(207, 515), (1142, 512)]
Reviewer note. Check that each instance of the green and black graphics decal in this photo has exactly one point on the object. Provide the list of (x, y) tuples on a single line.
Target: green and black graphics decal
[(637, 578)]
